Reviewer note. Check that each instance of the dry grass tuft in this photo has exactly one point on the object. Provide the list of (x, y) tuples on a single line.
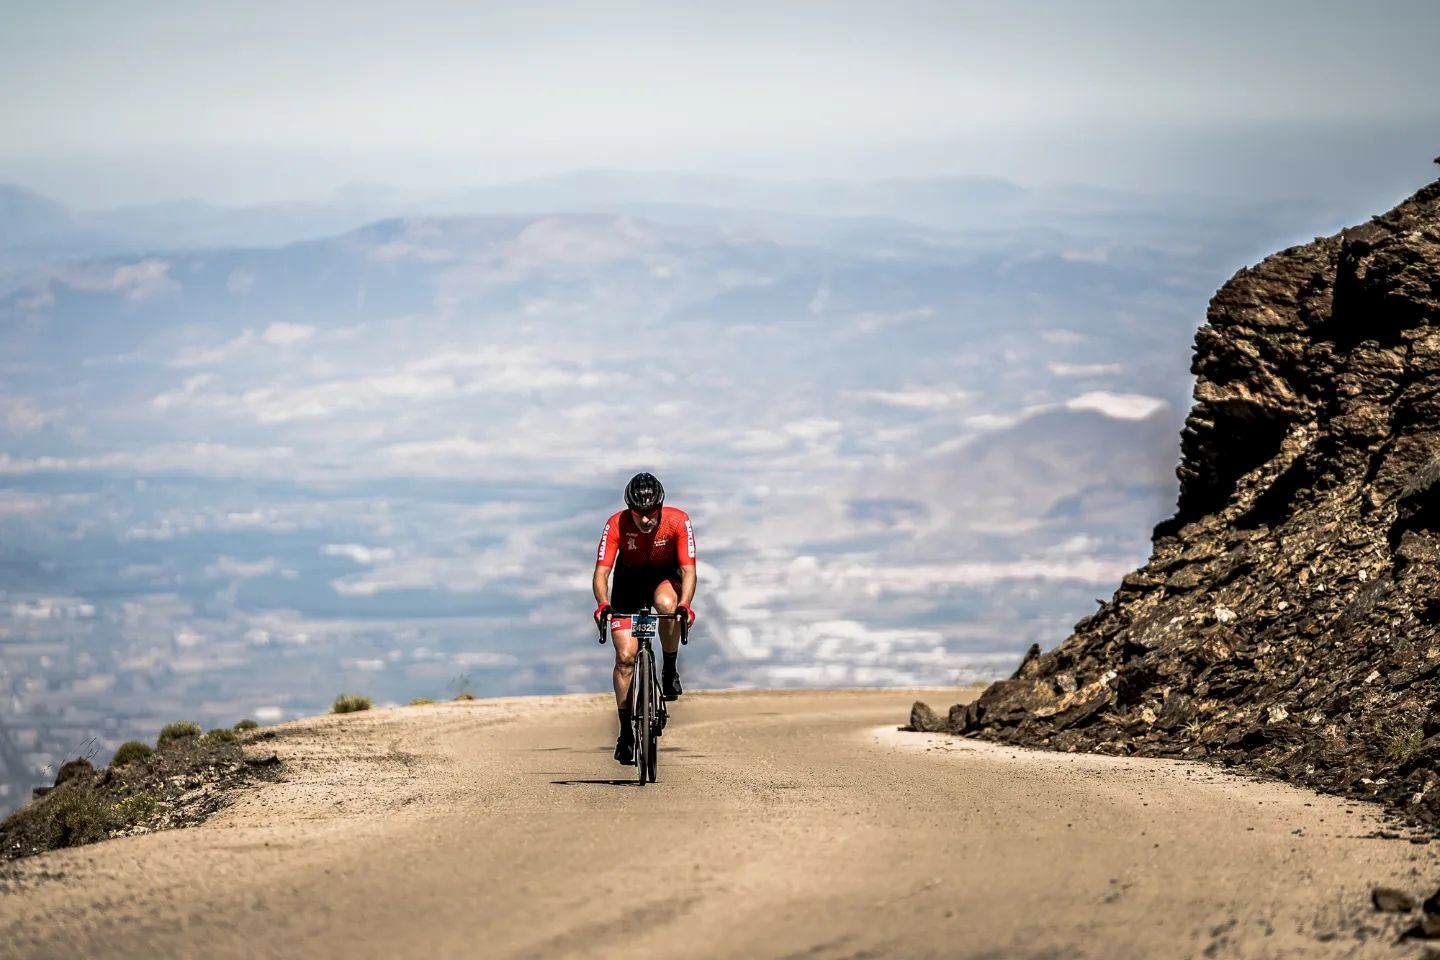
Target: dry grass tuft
[(132, 751), (179, 730), (1402, 742)]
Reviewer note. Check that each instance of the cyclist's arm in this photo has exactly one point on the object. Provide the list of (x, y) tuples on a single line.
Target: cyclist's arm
[(686, 556), (605, 559), (687, 584)]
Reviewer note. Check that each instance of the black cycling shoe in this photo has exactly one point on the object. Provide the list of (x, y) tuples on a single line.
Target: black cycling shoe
[(625, 751), (670, 685)]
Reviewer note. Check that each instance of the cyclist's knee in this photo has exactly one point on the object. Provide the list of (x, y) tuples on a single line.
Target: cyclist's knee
[(624, 662), (665, 601)]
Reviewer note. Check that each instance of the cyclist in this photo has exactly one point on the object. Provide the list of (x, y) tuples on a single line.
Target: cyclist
[(651, 548)]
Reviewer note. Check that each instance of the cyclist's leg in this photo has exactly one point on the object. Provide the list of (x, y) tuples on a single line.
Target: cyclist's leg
[(666, 598), (625, 647), (629, 592)]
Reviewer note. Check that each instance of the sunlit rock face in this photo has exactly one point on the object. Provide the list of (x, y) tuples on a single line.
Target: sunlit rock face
[(1287, 619)]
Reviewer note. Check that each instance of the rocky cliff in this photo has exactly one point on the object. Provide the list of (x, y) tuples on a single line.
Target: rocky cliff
[(1289, 618)]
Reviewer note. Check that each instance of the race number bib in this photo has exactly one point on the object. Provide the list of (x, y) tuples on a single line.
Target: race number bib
[(645, 627)]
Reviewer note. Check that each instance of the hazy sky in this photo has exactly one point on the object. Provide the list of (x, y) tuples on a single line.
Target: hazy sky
[(107, 102)]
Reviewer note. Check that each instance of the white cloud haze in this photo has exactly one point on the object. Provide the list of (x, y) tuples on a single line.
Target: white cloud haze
[(289, 101)]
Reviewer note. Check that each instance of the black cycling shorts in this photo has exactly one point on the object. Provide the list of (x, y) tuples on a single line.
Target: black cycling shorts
[(635, 588)]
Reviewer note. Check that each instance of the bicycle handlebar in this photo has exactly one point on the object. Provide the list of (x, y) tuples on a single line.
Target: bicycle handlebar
[(609, 615)]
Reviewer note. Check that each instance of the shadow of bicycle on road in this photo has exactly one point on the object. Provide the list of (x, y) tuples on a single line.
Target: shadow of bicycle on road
[(612, 783)]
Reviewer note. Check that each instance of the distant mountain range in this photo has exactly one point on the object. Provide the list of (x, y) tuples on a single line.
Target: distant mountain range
[(34, 228)]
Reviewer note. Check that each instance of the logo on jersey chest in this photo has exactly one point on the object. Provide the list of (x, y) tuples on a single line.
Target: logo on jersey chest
[(662, 541), (630, 541)]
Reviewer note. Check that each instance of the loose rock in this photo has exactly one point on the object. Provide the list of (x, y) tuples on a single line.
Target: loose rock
[(72, 769), (1390, 900), (1426, 928), (925, 720)]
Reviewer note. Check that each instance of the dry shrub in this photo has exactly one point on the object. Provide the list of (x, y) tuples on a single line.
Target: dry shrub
[(131, 751), (350, 703), (179, 730)]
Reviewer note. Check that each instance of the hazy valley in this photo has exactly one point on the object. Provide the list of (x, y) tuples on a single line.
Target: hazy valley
[(920, 425)]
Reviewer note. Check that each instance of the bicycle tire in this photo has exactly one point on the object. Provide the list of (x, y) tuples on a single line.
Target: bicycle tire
[(641, 682), (651, 758), (652, 743)]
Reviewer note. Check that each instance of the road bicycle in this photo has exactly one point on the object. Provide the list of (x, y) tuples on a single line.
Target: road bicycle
[(647, 707)]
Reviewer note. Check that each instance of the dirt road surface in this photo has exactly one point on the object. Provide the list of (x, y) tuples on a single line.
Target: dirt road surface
[(790, 824)]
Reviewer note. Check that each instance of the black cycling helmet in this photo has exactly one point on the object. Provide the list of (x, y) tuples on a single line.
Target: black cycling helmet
[(644, 493)]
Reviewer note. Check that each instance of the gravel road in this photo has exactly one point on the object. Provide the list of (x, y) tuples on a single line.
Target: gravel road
[(785, 824)]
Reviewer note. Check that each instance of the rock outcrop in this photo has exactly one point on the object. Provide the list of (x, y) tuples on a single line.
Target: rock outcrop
[(1289, 617)]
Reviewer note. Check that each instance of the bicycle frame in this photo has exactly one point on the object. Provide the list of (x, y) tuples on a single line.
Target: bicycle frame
[(648, 713)]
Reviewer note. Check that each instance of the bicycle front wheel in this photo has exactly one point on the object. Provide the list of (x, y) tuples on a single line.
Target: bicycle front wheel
[(652, 743), (652, 751), (641, 714)]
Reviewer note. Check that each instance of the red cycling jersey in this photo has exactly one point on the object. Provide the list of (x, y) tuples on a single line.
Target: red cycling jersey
[(670, 546)]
